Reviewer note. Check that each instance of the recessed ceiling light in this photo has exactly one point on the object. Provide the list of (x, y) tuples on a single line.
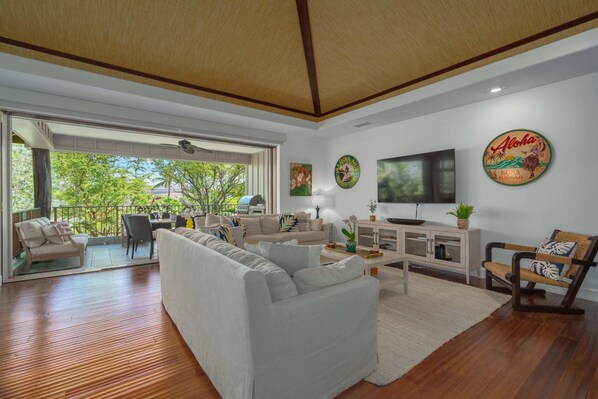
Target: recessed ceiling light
[(495, 89)]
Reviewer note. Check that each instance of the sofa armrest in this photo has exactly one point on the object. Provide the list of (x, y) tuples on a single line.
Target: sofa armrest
[(327, 229), (319, 324)]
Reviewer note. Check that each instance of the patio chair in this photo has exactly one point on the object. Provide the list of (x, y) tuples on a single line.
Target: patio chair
[(510, 276), (127, 230), (180, 221), (141, 230)]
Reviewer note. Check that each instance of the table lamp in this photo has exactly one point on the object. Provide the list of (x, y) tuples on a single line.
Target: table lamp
[(318, 201)]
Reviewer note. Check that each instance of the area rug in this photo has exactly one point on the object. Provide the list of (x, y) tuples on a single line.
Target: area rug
[(412, 326)]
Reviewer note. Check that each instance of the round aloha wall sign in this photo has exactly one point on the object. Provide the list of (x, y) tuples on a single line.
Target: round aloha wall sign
[(346, 171), (517, 157)]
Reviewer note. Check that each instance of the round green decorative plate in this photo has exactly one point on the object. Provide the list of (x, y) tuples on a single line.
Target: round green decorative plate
[(347, 171)]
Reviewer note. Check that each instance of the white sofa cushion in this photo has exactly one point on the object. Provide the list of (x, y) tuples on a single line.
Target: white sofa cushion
[(269, 225), (54, 249), (252, 225), (294, 258), (279, 283), (316, 225), (315, 278), (303, 219), (32, 233), (265, 246), (54, 233)]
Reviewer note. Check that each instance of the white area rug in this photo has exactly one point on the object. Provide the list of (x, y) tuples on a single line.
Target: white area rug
[(411, 327)]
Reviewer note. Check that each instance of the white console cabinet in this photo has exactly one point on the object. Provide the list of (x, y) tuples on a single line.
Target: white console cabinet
[(440, 246)]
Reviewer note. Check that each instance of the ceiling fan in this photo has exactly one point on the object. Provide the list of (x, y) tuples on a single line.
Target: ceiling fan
[(186, 146)]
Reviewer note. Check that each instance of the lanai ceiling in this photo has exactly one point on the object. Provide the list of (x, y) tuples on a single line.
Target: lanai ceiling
[(310, 59)]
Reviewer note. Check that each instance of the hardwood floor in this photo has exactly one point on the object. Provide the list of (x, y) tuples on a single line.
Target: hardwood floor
[(106, 335)]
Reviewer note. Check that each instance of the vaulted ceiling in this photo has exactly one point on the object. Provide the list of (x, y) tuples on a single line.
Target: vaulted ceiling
[(310, 59)]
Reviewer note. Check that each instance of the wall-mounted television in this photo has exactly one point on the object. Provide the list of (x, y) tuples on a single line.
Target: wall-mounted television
[(420, 178)]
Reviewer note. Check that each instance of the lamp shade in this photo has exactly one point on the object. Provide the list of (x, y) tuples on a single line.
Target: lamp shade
[(318, 200)]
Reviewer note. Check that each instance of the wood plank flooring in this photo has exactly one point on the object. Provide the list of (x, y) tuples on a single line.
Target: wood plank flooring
[(106, 335)]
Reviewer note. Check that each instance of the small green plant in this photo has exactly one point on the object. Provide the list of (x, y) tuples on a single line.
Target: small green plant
[(372, 206), (462, 211)]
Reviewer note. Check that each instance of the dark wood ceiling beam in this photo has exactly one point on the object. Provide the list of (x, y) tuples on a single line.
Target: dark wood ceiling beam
[(89, 61), (308, 49)]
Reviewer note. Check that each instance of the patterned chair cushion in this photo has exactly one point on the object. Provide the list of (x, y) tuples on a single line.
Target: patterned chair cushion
[(554, 271)]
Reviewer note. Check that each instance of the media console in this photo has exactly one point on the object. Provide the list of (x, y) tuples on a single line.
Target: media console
[(434, 245)]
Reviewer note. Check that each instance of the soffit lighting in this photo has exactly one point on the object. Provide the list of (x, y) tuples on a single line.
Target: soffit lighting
[(495, 89)]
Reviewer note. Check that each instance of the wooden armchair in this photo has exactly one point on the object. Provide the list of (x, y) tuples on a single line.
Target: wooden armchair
[(510, 276)]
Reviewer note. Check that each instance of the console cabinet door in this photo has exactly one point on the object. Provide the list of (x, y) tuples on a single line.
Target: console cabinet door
[(365, 235), (389, 238), (416, 243), (448, 249)]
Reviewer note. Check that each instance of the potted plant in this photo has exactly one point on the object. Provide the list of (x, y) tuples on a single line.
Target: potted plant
[(372, 206), (462, 212), (351, 245)]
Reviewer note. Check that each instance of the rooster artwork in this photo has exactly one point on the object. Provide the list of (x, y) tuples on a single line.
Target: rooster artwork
[(517, 157)]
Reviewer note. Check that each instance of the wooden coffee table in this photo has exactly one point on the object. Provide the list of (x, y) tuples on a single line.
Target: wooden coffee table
[(386, 280)]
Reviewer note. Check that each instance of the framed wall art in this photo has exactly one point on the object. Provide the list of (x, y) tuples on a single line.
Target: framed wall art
[(517, 157), (301, 180), (347, 171)]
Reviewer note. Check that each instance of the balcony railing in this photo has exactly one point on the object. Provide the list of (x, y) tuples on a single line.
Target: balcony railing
[(105, 221)]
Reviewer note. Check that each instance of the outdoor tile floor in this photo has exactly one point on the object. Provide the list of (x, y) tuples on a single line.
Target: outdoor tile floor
[(96, 257)]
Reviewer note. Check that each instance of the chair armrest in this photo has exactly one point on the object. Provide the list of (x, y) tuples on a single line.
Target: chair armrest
[(75, 243), (506, 246)]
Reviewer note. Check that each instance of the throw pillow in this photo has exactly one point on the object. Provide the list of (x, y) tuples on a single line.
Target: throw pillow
[(554, 271), (199, 221), (253, 226), (314, 278), (269, 225), (303, 219), (54, 234), (253, 248), (294, 258), (232, 235), (265, 246), (287, 222), (212, 219), (224, 233), (226, 221), (32, 233), (238, 222), (68, 229), (316, 225), (279, 283)]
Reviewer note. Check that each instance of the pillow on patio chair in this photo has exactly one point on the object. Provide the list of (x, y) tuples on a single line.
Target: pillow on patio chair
[(68, 230), (54, 234)]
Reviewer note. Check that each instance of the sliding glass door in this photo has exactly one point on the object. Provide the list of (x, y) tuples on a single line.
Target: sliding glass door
[(5, 197)]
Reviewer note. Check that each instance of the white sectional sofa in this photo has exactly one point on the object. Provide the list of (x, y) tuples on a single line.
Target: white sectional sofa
[(250, 330)]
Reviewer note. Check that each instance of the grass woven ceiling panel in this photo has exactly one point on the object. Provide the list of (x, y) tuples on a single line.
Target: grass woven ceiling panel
[(306, 58)]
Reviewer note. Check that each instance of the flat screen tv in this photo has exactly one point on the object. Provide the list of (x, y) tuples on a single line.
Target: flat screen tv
[(421, 178)]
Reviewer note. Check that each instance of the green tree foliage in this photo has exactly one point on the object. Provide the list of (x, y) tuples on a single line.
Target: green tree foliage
[(98, 180), (22, 178), (206, 184), (97, 183)]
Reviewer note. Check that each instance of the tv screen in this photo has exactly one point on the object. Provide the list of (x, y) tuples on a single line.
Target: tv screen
[(420, 178)]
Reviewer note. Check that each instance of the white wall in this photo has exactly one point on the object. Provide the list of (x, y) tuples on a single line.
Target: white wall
[(300, 150), (565, 197)]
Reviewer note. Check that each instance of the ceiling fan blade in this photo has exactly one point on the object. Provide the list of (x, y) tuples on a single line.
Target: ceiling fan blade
[(168, 145), (202, 149)]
